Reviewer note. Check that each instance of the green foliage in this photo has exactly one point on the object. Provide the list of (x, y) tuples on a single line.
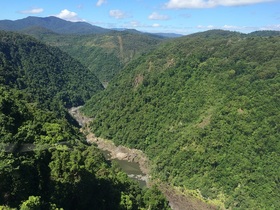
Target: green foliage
[(154, 199), (106, 54), (23, 122), (49, 75), (205, 108), (33, 203), (6, 208), (44, 163), (126, 203), (265, 33)]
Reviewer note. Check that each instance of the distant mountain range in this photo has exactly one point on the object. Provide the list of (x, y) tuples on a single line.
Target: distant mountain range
[(56, 25), (165, 35), (52, 24)]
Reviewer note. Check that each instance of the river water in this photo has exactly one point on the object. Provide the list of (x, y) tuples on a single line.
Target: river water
[(177, 200), (132, 169)]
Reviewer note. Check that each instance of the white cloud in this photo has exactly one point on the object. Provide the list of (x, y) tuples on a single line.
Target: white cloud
[(156, 16), (100, 2), (156, 25), (32, 11), (135, 24), (230, 27), (206, 27), (237, 28), (183, 4), (68, 15), (118, 14), (271, 27)]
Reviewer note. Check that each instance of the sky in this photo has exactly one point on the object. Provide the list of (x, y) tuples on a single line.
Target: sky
[(168, 16)]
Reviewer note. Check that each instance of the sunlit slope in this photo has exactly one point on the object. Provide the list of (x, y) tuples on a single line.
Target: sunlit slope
[(45, 163), (205, 108), (104, 54)]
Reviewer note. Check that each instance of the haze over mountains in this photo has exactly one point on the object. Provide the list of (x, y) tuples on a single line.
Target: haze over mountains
[(60, 26), (52, 23), (106, 55), (87, 43), (203, 107)]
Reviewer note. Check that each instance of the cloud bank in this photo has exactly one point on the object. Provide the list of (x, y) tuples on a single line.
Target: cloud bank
[(186, 4)]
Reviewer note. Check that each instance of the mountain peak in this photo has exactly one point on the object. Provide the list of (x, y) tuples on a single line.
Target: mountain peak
[(52, 23)]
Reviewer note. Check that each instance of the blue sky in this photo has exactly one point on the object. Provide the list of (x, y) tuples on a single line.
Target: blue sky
[(172, 16)]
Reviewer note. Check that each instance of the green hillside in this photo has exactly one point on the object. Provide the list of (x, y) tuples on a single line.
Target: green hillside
[(46, 73), (44, 160), (265, 33), (44, 164), (205, 108), (104, 54)]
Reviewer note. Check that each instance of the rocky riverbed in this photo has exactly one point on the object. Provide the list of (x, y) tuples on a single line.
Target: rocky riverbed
[(121, 153), (115, 152), (177, 200)]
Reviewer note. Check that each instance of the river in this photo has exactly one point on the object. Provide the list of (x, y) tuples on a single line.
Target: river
[(132, 169), (136, 165), (133, 162)]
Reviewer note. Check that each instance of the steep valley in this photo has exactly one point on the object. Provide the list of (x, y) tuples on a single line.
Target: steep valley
[(127, 157), (204, 108), (45, 163), (200, 113)]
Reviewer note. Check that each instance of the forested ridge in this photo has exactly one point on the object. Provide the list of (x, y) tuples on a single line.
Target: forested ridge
[(205, 109), (45, 163), (104, 51), (104, 54), (45, 72)]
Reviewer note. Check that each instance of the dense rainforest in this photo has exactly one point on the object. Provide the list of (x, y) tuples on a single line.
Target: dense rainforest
[(104, 54), (45, 163), (205, 109), (104, 51), (45, 72)]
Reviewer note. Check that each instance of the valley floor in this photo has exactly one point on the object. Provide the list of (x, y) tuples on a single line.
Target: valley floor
[(177, 200)]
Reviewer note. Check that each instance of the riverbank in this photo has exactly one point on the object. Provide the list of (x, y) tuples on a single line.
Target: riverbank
[(114, 152), (177, 199), (120, 153)]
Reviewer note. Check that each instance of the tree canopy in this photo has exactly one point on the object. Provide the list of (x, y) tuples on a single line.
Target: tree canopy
[(104, 54), (205, 108), (45, 72), (45, 163)]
